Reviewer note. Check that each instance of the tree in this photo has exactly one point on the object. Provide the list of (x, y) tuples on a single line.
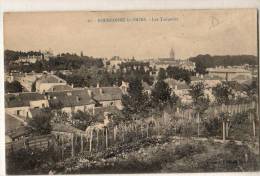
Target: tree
[(161, 74), (82, 120), (223, 93), (200, 102), (161, 95), (213, 61), (41, 123), (178, 73), (136, 101), (196, 91), (200, 68), (13, 87)]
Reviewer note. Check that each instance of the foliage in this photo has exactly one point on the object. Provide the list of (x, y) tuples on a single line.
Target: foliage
[(197, 91), (223, 93), (213, 61), (212, 126), (25, 161), (161, 74), (82, 120), (135, 70), (179, 74), (188, 150), (41, 123), (136, 101), (252, 88), (200, 68), (13, 87), (64, 61), (161, 95)]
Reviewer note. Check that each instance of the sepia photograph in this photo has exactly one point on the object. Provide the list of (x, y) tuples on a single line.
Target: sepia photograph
[(122, 92)]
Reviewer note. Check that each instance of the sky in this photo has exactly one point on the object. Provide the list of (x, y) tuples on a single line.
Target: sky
[(188, 32)]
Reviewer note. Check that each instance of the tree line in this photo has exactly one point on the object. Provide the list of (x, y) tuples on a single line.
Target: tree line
[(212, 61), (64, 61)]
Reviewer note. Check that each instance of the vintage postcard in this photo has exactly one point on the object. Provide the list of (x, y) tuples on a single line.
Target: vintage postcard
[(131, 91)]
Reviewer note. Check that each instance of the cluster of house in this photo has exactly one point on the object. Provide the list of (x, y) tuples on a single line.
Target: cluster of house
[(51, 90), (54, 92), (31, 59)]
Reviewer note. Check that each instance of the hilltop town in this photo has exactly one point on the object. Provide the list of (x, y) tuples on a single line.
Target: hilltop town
[(89, 105)]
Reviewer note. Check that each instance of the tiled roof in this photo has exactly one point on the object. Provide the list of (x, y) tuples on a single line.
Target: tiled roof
[(21, 99), (50, 79), (11, 123), (229, 70), (70, 98), (21, 131), (106, 93), (58, 88), (240, 77)]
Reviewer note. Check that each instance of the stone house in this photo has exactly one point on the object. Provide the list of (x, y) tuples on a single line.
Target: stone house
[(19, 104), (47, 81)]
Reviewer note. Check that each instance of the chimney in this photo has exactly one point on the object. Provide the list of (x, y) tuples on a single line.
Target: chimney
[(90, 93), (93, 110), (175, 87), (201, 76), (197, 75), (72, 85), (97, 85), (101, 91), (77, 98)]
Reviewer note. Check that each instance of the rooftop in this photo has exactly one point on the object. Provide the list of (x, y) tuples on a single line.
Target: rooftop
[(58, 88), (76, 97), (21, 99), (229, 70), (106, 93), (49, 78)]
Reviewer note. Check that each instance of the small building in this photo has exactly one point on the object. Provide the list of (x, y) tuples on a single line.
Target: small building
[(30, 59), (47, 81), (19, 104), (230, 74), (17, 134), (71, 101), (60, 88), (107, 96)]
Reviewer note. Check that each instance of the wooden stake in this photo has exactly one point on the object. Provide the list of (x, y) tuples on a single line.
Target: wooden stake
[(62, 147), (254, 127), (115, 132), (97, 138), (198, 124), (90, 141), (72, 145), (81, 143), (106, 139), (142, 130), (147, 130), (227, 129), (223, 131)]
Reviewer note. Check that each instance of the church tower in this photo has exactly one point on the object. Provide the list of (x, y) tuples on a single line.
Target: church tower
[(172, 54)]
